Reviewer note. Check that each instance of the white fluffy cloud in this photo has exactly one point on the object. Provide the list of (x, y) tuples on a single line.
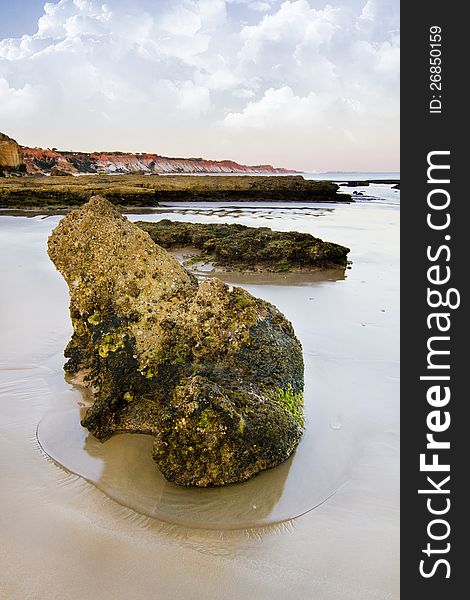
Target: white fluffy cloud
[(299, 83)]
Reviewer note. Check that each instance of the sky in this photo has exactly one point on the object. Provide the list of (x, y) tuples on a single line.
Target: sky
[(302, 84)]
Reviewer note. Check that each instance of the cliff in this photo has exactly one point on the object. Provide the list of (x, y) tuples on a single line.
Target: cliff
[(45, 162), (10, 155)]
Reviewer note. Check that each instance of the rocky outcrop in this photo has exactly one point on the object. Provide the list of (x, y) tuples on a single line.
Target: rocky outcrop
[(57, 172), (356, 183), (213, 373), (41, 161), (249, 248), (10, 155), (145, 190)]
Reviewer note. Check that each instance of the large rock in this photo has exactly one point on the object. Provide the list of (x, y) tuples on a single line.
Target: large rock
[(213, 373), (235, 246), (10, 154)]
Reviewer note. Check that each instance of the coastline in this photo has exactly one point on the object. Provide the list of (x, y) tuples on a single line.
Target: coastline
[(151, 190)]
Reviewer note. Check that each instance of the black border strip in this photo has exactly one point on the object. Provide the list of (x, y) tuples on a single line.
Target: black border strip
[(424, 132)]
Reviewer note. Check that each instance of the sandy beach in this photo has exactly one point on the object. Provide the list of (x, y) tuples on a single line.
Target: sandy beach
[(81, 520)]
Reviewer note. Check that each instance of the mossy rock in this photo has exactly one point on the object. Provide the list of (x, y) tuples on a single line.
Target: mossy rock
[(213, 373), (249, 248)]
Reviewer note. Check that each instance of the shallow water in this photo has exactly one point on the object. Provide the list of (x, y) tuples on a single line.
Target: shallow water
[(346, 467)]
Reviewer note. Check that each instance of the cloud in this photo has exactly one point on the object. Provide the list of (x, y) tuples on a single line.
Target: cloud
[(16, 100), (280, 106), (259, 6), (377, 17), (295, 22), (193, 99), (199, 77)]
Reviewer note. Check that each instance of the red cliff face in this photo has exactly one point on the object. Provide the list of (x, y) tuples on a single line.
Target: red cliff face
[(40, 161)]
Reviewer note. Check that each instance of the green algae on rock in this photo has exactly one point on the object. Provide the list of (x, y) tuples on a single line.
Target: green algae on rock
[(213, 373), (249, 248)]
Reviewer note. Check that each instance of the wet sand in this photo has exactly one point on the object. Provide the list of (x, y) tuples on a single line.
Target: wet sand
[(62, 537)]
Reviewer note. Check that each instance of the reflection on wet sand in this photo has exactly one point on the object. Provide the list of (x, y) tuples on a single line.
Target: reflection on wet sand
[(130, 476), (289, 279), (293, 211), (256, 210), (202, 270), (123, 469)]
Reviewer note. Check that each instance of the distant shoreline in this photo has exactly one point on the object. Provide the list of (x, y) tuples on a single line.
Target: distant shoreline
[(149, 191)]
